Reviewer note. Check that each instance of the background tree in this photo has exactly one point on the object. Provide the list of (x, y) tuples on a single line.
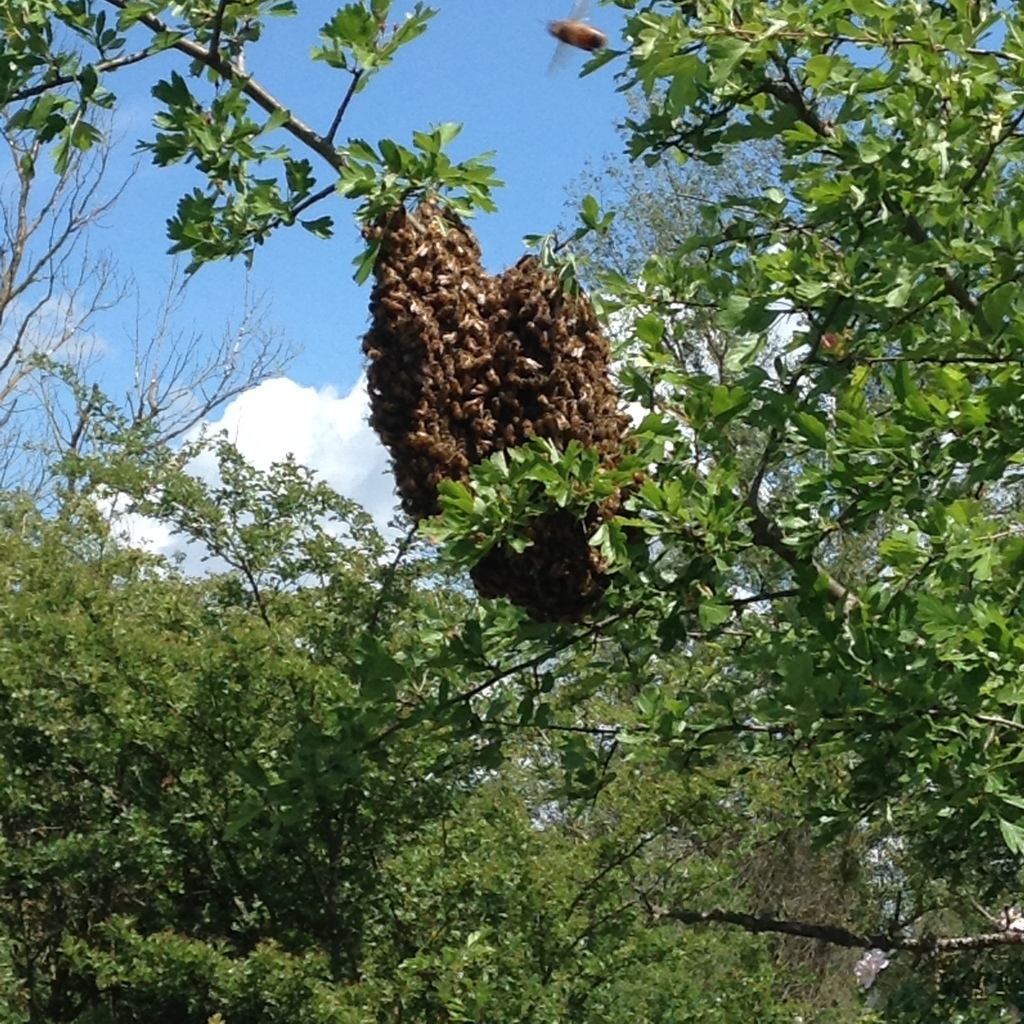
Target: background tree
[(217, 802), (54, 291)]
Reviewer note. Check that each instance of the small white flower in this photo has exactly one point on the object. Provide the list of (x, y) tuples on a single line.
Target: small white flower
[(868, 966)]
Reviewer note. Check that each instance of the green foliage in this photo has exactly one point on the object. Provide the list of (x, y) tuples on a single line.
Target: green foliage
[(811, 660), (510, 489), (885, 173), (557, 255), (521, 909), (59, 60), (391, 175), (190, 757), (271, 793), (356, 38)]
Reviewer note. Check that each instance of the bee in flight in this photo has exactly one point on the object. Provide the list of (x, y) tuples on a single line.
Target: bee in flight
[(573, 31)]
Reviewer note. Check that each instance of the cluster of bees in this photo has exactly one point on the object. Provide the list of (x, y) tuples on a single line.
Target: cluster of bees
[(463, 364)]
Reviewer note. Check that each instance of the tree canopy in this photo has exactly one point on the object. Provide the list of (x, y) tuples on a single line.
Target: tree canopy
[(790, 734)]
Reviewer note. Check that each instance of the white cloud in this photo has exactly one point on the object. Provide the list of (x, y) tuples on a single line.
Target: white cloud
[(323, 430)]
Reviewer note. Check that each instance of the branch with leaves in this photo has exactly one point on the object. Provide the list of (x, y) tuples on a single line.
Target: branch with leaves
[(252, 188)]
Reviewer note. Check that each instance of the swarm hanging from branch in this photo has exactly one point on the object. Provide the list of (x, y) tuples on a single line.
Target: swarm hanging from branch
[(553, 363), (430, 351), (462, 365), (552, 359)]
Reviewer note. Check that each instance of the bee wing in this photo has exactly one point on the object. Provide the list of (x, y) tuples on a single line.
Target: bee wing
[(579, 10), (561, 55)]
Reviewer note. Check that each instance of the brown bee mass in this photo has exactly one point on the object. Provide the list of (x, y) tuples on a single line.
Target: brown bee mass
[(462, 365), (429, 350)]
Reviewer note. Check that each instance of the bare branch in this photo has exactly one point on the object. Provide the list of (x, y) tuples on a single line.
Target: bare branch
[(218, 24), (835, 934), (53, 288), (336, 122), (179, 380)]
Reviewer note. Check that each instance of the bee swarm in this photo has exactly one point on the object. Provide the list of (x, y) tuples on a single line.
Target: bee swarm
[(462, 365)]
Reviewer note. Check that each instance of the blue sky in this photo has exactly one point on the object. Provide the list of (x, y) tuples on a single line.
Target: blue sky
[(483, 63)]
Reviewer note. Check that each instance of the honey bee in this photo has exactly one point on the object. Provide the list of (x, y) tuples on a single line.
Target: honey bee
[(578, 34), (574, 31)]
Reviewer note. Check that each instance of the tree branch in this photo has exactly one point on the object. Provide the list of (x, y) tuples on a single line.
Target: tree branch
[(769, 595), (113, 64), (230, 72), (982, 165), (766, 534), (218, 24), (834, 934), (343, 106), (1014, 360), (586, 730), (883, 42), (1006, 723), (955, 288), (499, 675)]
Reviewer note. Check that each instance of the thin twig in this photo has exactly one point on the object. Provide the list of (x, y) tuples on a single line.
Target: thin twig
[(311, 200), (218, 24), (333, 130), (897, 42), (402, 548), (773, 595), (942, 360), (1007, 723), (102, 66), (954, 286), (991, 918), (501, 674), (586, 730)]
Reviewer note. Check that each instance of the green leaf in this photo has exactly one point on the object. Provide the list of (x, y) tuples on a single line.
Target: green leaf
[(727, 402), (366, 261), (447, 133), (649, 329), (711, 615), (323, 227), (812, 429), (1013, 836)]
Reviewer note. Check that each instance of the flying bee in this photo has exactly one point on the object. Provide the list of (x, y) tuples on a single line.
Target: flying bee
[(578, 34), (574, 31)]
